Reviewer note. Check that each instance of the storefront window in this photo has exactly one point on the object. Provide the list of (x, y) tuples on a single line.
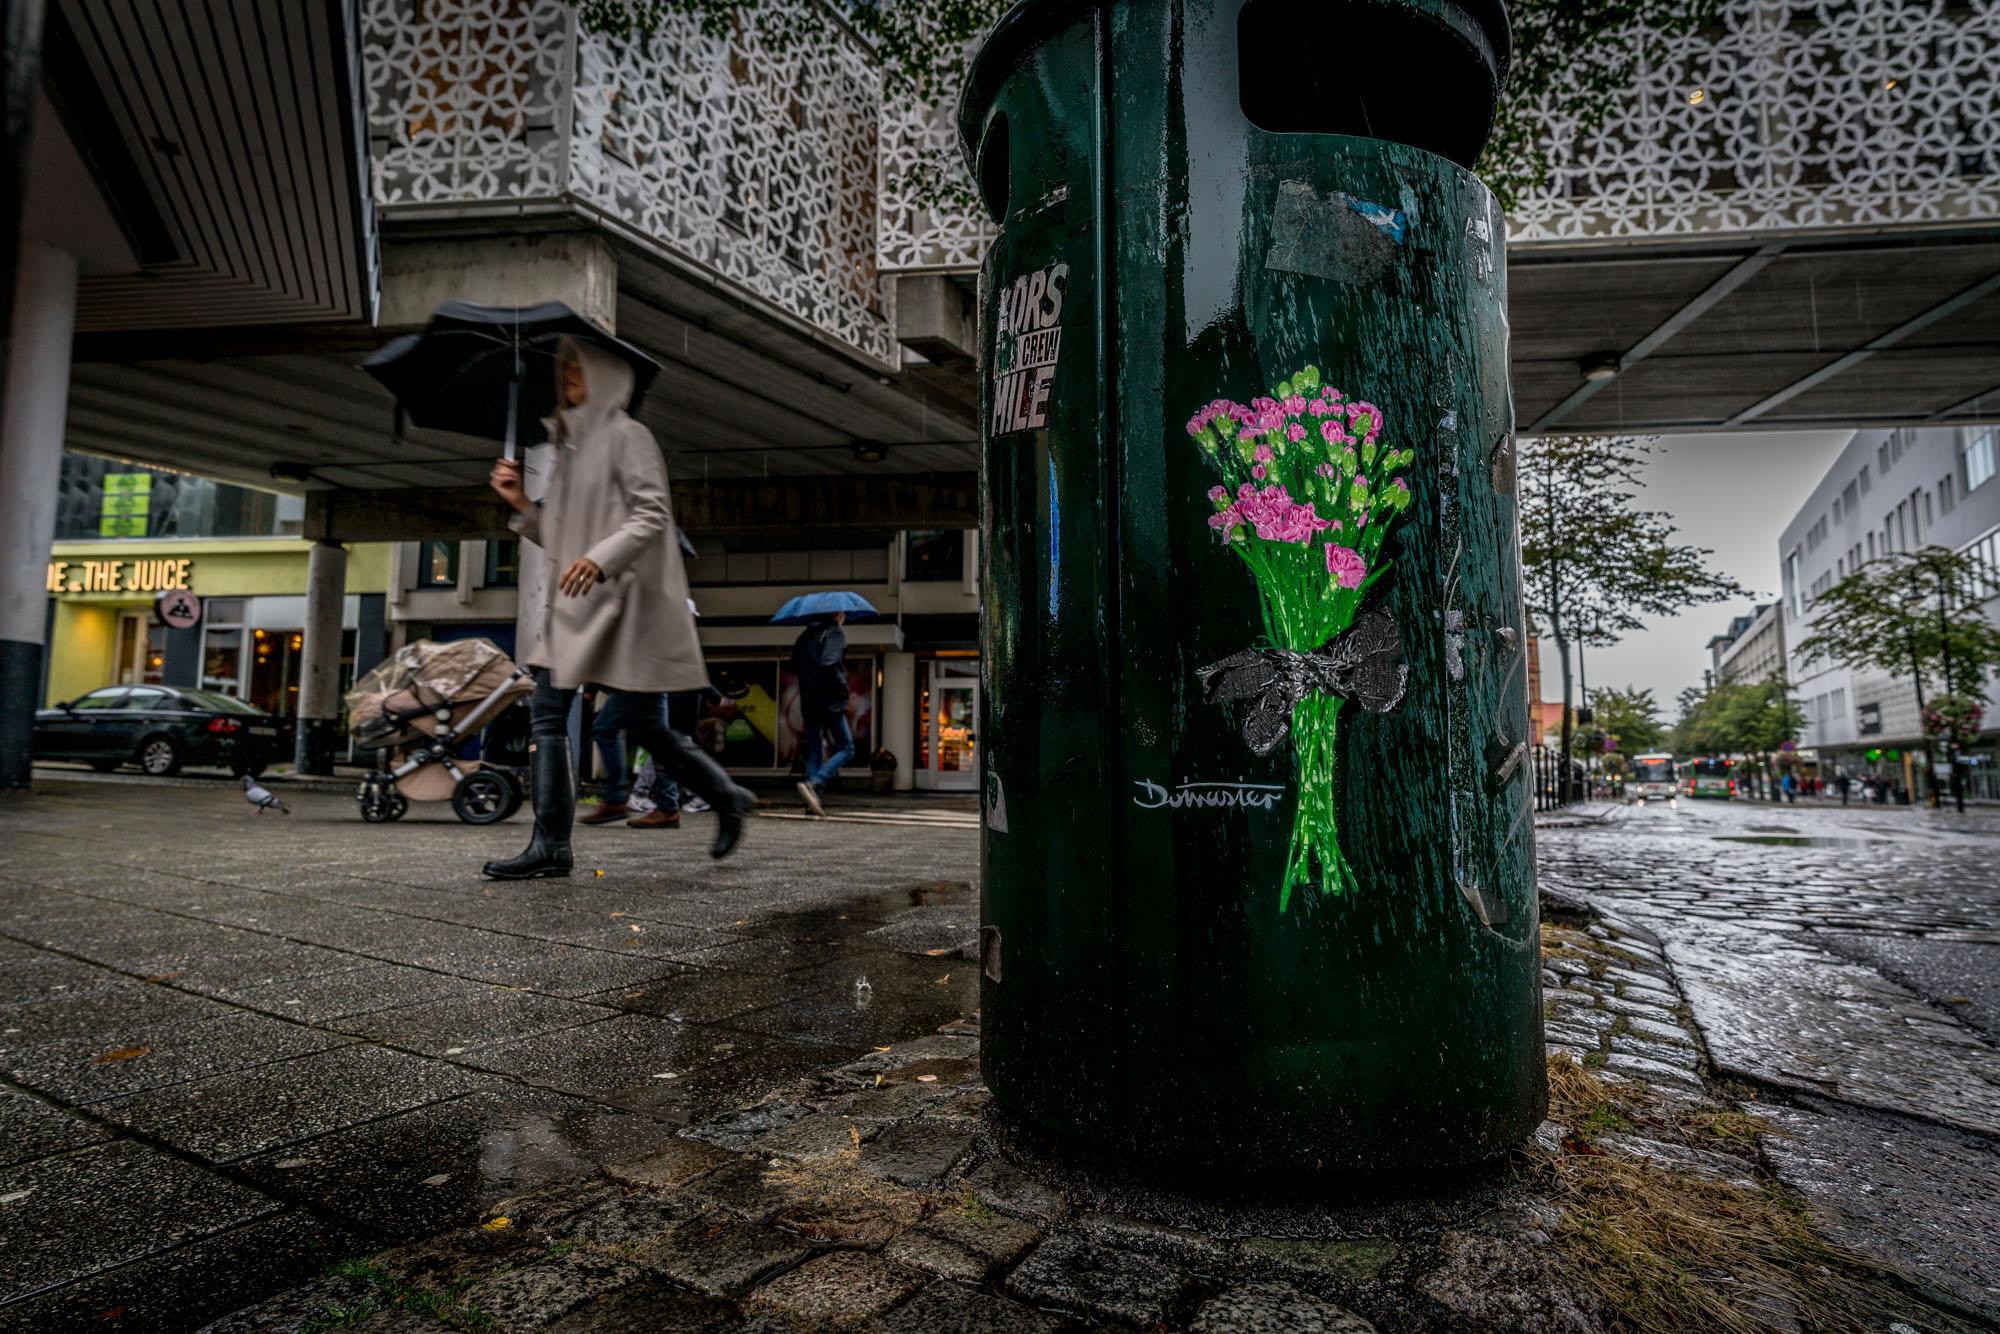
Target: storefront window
[(437, 565), (934, 557), (758, 723), (275, 657), (503, 564)]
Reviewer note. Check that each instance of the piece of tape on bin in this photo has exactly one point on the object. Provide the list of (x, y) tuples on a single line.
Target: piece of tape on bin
[(1340, 237), (1363, 663)]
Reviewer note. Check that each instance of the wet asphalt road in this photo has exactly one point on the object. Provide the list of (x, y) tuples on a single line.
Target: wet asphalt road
[(1843, 964), (235, 1048)]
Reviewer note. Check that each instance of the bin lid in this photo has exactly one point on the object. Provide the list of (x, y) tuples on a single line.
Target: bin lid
[(1481, 24)]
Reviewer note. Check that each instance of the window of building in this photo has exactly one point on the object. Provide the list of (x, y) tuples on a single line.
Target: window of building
[(222, 646), (1978, 459), (1862, 477), (1836, 509), (1848, 495), (503, 564), (437, 565), (1840, 567), (1792, 584), (934, 557), (1946, 500), (1882, 456)]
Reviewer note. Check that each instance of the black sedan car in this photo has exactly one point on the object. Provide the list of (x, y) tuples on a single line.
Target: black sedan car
[(158, 728)]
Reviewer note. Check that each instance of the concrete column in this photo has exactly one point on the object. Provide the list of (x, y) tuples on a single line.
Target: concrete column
[(31, 443), (899, 715), (319, 670)]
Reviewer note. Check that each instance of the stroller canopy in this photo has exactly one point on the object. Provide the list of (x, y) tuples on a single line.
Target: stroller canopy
[(422, 676)]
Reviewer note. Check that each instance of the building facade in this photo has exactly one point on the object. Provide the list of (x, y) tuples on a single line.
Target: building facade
[(1889, 491), (1754, 650), (128, 538)]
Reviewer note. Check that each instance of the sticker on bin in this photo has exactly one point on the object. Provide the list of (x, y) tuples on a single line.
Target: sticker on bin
[(1027, 345)]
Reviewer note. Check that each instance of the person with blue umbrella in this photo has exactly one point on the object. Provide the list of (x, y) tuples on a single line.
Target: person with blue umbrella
[(819, 664)]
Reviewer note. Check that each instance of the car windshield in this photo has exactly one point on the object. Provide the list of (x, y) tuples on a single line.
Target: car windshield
[(208, 699), (1653, 769)]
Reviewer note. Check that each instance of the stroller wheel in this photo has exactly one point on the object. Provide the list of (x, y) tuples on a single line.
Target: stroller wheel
[(381, 803), (483, 797)]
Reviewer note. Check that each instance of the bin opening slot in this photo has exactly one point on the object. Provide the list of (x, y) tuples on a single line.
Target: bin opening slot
[(1366, 69), (995, 168)]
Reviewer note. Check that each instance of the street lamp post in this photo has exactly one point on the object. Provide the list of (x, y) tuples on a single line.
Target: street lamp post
[(1951, 724), (1917, 672)]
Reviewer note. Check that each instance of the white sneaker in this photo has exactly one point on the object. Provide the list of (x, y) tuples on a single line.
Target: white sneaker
[(811, 799), (693, 805)]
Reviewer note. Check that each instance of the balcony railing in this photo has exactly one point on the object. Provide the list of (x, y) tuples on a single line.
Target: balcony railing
[(758, 167)]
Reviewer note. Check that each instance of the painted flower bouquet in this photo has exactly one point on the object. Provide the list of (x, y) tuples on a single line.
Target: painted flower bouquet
[(1956, 716), (1308, 493)]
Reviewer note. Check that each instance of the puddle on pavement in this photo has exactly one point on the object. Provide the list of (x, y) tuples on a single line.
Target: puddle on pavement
[(1800, 841)]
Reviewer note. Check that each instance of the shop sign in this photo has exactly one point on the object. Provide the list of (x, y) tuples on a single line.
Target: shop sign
[(119, 576), (178, 609)]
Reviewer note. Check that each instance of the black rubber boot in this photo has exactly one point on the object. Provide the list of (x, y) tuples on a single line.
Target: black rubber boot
[(553, 782), (695, 769)]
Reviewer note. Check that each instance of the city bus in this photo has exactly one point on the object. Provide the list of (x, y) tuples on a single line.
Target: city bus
[(1653, 776), (1711, 778)]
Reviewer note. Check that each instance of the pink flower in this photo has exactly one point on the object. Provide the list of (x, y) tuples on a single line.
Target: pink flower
[(1296, 404), (1328, 470), (1334, 433), (1295, 433), (1274, 515), (1263, 454), (1258, 473), (1218, 494), (1359, 413), (1345, 565)]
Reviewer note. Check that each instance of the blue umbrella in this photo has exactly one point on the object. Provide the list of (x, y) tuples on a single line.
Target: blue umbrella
[(818, 606)]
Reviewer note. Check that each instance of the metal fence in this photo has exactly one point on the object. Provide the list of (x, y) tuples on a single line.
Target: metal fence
[(1549, 788)]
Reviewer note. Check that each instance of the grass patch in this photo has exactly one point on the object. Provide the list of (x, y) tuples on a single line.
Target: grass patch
[(387, 1292), (1670, 1251), (974, 1209)]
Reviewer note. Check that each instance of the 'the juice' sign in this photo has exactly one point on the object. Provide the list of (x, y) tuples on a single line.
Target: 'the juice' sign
[(1026, 347)]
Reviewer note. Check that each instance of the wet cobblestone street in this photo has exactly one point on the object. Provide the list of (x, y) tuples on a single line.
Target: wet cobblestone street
[(1844, 963)]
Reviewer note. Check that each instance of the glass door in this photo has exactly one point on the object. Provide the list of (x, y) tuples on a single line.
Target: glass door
[(954, 740)]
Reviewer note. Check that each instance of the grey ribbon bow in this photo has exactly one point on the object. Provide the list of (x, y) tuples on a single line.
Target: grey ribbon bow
[(1363, 663)]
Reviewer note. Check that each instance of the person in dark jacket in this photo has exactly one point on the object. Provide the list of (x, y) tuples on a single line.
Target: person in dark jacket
[(819, 662)]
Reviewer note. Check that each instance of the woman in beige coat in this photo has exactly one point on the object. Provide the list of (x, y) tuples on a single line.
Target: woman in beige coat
[(615, 612)]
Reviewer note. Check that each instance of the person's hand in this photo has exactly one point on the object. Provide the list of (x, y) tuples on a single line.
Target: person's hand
[(506, 479), (581, 576)]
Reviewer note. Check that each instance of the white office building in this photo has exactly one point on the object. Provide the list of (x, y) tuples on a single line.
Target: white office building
[(1888, 491)]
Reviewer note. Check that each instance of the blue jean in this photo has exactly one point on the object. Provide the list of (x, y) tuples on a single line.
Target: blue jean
[(820, 766), (628, 711)]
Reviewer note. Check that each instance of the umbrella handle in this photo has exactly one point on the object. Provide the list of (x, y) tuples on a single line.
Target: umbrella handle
[(508, 451)]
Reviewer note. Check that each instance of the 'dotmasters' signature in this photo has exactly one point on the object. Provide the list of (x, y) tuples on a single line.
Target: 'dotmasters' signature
[(1249, 796)]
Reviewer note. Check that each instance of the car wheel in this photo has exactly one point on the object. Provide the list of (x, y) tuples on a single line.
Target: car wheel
[(105, 766), (160, 756), (484, 797)]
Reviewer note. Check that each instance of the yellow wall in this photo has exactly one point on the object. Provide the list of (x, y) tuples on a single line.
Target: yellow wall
[(83, 638)]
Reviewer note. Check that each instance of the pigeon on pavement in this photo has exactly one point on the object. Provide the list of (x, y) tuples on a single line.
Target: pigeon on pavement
[(261, 797)]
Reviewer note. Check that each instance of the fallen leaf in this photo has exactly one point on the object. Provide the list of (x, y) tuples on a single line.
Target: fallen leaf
[(1958, 1000), (878, 1081), (636, 927), (167, 977), (288, 1164), (618, 914), (500, 1224), (854, 1134), (927, 1079), (723, 1046), (15, 1196), (600, 873), (937, 954), (946, 978), (885, 1049), (117, 1054), (453, 1051), (666, 1074), (437, 1180)]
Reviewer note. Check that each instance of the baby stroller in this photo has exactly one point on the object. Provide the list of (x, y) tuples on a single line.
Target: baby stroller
[(418, 708)]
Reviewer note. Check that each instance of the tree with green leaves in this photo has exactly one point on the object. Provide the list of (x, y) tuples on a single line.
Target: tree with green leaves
[(1628, 719), (1572, 59), (1595, 565), (1916, 614), (1751, 719)]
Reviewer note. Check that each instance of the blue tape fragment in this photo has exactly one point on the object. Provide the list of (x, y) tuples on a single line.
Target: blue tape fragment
[(1388, 221)]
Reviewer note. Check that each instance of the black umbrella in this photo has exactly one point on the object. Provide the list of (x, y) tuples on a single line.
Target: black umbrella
[(489, 371)]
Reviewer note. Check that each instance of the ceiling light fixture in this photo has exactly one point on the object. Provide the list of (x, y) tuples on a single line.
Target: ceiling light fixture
[(870, 451), (1601, 366), (1696, 96)]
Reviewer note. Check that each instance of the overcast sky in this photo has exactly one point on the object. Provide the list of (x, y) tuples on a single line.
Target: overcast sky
[(1733, 494)]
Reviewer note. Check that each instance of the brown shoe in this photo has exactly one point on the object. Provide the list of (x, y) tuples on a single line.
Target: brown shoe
[(657, 819), (606, 813)]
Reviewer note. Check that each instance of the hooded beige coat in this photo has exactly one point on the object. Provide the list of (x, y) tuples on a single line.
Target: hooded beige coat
[(607, 499)]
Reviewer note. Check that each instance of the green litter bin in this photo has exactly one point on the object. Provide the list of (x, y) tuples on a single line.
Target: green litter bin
[(1258, 883)]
